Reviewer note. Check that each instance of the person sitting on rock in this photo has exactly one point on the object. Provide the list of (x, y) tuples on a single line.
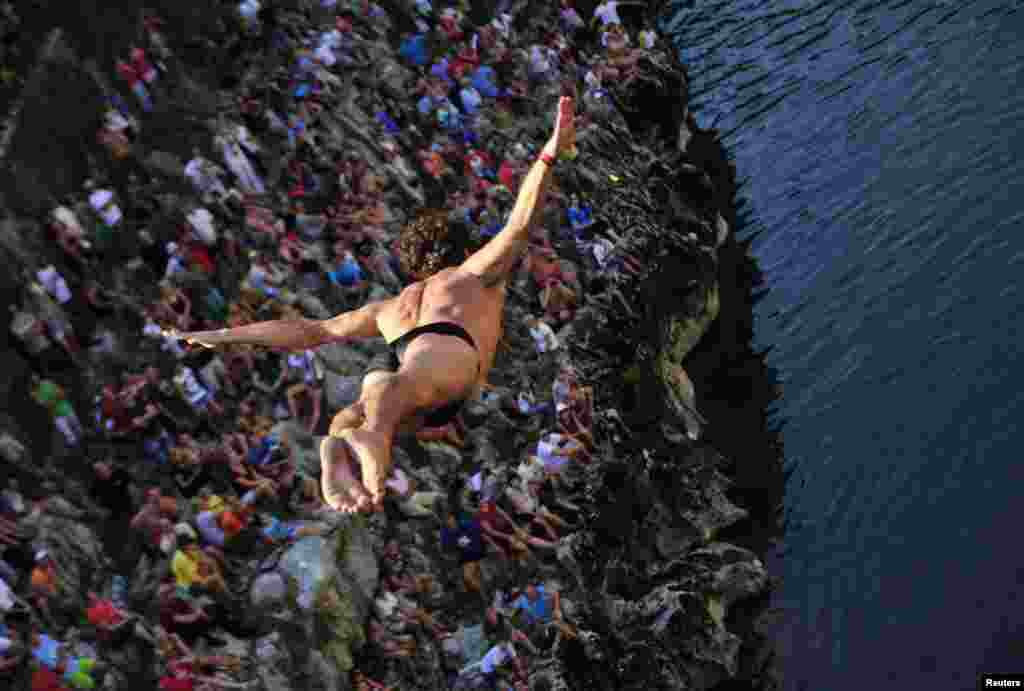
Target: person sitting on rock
[(305, 372), (108, 619), (500, 531), (181, 617), (464, 537), (544, 337), (44, 582), (446, 363), (184, 665), (194, 569), (390, 646), (538, 607)]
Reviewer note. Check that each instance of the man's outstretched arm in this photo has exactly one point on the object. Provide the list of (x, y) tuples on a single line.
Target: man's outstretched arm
[(494, 261), (294, 334)]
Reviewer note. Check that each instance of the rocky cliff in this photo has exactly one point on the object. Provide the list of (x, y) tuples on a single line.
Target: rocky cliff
[(663, 580)]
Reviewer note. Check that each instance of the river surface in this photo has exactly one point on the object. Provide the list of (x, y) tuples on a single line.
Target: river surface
[(879, 147)]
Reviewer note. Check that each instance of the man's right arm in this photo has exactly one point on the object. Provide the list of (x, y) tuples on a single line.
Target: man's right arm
[(295, 334), (494, 261)]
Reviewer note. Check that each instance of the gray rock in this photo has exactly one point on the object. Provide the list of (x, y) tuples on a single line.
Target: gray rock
[(718, 512), (341, 359), (166, 165)]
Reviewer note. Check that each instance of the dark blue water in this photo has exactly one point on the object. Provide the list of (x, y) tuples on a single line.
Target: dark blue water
[(880, 148)]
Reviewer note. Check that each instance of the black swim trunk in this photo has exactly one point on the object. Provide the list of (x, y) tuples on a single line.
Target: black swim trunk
[(392, 360)]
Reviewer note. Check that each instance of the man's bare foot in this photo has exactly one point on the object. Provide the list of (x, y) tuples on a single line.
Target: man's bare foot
[(373, 450), (340, 487)]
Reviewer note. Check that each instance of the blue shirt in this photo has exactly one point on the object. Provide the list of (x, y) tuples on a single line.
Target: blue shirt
[(483, 81), (349, 272), (260, 454), (414, 49), (466, 538), (425, 104), (440, 70), (579, 216), (46, 651), (470, 100), (278, 531), (536, 610), (389, 124)]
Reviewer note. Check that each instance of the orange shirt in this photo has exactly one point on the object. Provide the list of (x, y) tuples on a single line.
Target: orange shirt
[(44, 578)]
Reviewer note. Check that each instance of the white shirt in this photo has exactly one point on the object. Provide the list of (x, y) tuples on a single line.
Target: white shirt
[(398, 481), (208, 528), (203, 174), (67, 217), (201, 221), (544, 337), (602, 249), (54, 284), (572, 18), (116, 121), (194, 391), (608, 12), (554, 457), (503, 23), (325, 54), (497, 656), (6, 599), (539, 59), (249, 8), (304, 361), (103, 202), (174, 265)]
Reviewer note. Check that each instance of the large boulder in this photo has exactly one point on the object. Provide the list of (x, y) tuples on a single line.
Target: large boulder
[(334, 579)]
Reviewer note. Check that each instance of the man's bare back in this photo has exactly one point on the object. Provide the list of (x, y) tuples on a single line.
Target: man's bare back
[(455, 296)]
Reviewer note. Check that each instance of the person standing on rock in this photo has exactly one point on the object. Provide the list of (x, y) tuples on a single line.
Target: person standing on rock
[(442, 330)]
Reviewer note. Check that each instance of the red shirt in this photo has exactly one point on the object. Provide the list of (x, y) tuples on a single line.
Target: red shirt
[(103, 614), (46, 679), (507, 174), (173, 684), (115, 410), (201, 258)]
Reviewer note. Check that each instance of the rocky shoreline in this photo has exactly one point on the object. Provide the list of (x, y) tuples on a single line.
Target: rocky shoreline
[(662, 583)]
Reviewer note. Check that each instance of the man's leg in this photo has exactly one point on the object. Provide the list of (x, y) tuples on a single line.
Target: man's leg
[(424, 382)]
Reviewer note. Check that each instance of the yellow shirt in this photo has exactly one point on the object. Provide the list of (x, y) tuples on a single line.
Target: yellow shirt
[(184, 568), (215, 503)]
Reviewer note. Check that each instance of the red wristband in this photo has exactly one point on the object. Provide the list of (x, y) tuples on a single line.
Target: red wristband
[(547, 158)]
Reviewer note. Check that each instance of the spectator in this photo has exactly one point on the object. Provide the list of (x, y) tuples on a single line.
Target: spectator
[(194, 569), (499, 659), (543, 335), (110, 488), (464, 537), (51, 396)]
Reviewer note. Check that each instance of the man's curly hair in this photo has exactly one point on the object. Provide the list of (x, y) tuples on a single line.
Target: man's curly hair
[(430, 243)]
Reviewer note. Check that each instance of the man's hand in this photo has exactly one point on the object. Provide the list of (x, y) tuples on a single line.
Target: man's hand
[(564, 136), (193, 339)]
